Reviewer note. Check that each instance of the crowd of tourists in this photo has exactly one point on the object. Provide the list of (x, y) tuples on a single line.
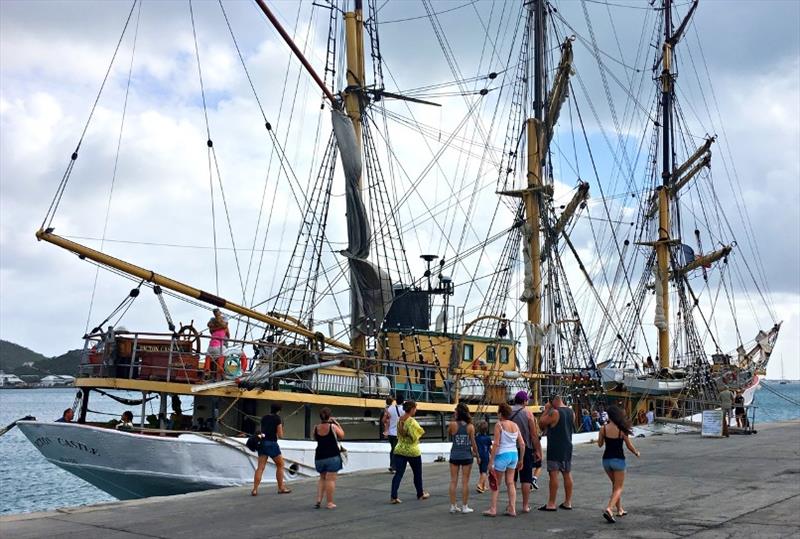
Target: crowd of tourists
[(509, 458)]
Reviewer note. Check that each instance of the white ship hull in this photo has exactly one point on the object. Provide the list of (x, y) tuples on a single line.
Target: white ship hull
[(129, 465)]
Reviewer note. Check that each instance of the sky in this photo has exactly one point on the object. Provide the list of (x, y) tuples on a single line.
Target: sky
[(53, 58)]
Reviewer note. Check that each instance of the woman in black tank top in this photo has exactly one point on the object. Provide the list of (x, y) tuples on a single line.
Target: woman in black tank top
[(613, 434), (327, 457)]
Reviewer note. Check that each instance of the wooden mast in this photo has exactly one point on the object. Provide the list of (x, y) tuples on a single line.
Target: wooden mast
[(181, 288), (663, 243), (531, 195), (354, 36)]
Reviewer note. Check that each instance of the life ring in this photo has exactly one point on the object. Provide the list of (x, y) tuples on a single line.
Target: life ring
[(232, 367), (728, 378)]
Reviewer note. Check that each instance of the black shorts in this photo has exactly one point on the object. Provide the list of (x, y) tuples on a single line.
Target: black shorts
[(525, 475), (461, 462)]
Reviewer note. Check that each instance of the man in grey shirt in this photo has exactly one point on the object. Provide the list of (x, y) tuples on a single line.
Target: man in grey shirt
[(726, 403), (533, 446)]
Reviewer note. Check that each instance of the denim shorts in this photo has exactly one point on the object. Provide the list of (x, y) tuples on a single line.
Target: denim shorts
[(505, 461), (330, 464), (269, 449), (483, 465), (614, 465)]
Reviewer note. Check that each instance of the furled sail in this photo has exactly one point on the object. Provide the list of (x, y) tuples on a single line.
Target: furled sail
[(370, 286)]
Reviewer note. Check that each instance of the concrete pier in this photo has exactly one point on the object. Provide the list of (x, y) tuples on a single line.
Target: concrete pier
[(683, 486)]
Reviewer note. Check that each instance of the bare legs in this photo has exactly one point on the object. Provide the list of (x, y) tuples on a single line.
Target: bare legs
[(454, 472), (465, 471), (567, 488), (617, 481), (262, 463), (511, 486), (552, 485), (453, 483), (526, 495), (325, 487), (279, 465), (553, 489)]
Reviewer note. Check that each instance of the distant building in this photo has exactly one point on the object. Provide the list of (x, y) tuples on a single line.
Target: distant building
[(57, 380), (10, 380)]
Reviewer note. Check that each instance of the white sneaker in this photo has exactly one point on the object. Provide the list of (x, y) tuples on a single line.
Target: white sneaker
[(467, 509), (454, 509)]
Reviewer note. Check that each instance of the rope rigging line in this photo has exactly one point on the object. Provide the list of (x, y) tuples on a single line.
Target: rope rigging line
[(208, 151), (116, 163), (47, 222)]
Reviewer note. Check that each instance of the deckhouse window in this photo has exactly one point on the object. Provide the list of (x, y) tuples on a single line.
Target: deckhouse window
[(469, 352), (503, 354), (491, 354)]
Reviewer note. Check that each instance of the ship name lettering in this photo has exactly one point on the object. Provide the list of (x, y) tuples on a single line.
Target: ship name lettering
[(42, 441), (77, 445)]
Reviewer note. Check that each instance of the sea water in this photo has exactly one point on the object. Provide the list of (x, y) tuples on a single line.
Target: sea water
[(30, 483)]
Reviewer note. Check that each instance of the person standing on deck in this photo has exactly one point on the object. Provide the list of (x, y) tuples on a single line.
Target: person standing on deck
[(651, 415), (726, 403), (532, 458), (559, 421), (218, 327), (271, 431), (741, 413), (391, 415)]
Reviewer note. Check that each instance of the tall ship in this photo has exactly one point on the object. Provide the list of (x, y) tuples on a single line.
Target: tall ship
[(541, 218)]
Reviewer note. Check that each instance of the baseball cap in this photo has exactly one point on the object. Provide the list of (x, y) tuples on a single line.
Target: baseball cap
[(521, 395)]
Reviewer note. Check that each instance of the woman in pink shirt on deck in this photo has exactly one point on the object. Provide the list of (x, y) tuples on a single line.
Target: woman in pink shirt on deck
[(218, 327)]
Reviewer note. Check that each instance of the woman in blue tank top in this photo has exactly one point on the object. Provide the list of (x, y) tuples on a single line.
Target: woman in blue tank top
[(616, 431), (462, 431)]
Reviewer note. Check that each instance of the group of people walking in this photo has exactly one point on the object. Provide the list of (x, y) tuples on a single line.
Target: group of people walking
[(513, 453)]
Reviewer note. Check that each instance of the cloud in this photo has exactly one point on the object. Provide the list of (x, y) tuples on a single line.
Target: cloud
[(55, 56)]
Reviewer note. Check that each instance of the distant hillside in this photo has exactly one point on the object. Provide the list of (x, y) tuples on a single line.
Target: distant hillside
[(12, 357)]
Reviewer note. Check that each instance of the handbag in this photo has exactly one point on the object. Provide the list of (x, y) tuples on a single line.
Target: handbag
[(342, 450), (253, 442)]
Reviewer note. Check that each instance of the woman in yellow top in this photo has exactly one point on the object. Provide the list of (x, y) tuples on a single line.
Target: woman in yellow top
[(408, 451)]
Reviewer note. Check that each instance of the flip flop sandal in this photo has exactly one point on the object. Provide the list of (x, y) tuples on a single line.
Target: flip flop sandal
[(424, 496), (562, 506), (545, 508), (395, 501), (510, 514), (285, 491), (317, 505), (489, 514), (608, 516), (622, 513)]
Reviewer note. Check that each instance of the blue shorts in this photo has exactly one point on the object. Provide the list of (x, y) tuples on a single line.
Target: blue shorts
[(269, 449), (330, 464), (614, 465), (504, 461), (483, 466)]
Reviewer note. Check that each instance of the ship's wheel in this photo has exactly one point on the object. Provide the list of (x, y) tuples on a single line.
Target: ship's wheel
[(188, 333)]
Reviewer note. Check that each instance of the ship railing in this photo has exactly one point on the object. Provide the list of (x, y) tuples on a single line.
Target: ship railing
[(168, 357)]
